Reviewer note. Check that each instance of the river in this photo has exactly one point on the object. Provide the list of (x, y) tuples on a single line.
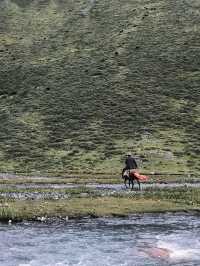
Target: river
[(148, 239)]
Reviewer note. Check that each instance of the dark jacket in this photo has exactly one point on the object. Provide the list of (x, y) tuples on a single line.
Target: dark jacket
[(131, 163)]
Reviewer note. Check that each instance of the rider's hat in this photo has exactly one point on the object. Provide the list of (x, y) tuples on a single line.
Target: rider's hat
[(129, 153)]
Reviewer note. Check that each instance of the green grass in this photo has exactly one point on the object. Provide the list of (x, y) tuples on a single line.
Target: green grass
[(70, 191), (81, 84), (188, 196), (7, 212), (89, 178), (72, 180)]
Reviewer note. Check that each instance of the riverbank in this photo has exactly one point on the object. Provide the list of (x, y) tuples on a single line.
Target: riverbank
[(43, 198), (80, 204)]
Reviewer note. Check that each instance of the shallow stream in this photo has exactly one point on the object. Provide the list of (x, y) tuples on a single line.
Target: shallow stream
[(149, 239)]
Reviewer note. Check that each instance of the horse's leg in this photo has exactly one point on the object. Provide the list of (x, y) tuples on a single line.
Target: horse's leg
[(125, 182), (138, 181), (132, 183)]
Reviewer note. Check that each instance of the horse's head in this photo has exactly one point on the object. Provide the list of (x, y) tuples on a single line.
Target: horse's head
[(126, 174)]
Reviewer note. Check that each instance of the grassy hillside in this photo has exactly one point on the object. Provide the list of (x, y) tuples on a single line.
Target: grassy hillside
[(83, 82)]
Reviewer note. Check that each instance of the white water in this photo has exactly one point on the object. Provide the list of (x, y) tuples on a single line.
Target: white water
[(103, 242)]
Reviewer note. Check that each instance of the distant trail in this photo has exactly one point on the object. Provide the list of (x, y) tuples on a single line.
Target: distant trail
[(102, 187), (53, 192)]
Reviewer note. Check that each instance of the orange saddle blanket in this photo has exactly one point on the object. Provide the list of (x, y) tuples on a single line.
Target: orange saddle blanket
[(136, 174)]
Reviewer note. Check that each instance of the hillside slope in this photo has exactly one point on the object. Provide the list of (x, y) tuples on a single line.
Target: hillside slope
[(83, 82)]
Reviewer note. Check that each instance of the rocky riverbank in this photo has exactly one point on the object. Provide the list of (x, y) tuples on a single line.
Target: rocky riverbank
[(27, 198)]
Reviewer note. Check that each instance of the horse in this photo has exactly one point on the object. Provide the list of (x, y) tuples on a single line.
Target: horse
[(130, 177)]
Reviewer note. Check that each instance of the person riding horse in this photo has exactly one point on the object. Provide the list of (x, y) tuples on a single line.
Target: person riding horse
[(130, 164)]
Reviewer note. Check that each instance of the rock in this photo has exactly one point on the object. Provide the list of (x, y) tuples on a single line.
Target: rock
[(41, 219)]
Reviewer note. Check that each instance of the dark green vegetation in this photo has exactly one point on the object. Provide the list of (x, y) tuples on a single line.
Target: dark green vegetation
[(93, 205), (82, 82)]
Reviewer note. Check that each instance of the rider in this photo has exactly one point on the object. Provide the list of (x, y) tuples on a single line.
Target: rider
[(130, 163)]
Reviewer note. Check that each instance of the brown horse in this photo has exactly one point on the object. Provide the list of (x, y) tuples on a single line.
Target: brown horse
[(129, 176)]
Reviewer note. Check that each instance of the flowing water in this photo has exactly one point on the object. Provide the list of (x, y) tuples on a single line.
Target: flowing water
[(150, 239)]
